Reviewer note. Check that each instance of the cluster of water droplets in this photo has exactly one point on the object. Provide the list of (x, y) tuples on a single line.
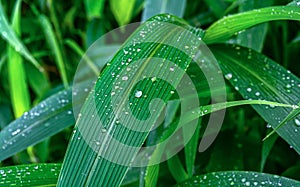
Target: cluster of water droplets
[(237, 179)]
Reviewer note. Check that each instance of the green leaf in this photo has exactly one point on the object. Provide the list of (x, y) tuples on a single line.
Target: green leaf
[(266, 149), (54, 46), (30, 175), (10, 36), (17, 77), (291, 116), (255, 76), (254, 37), (122, 10), (154, 7), (239, 178), (176, 168), (94, 9), (46, 119), (90, 149), (230, 25)]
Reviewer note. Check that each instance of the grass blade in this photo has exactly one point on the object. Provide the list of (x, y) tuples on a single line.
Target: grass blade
[(230, 25), (122, 10), (46, 119), (94, 9), (266, 149), (10, 36), (17, 77), (30, 175), (154, 7), (292, 115), (239, 178), (257, 77), (90, 149), (54, 46), (176, 168)]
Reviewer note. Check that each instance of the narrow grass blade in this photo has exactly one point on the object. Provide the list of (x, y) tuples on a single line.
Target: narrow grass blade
[(91, 148), (30, 175), (93, 8), (255, 76), (154, 7), (239, 178), (176, 168), (122, 10), (291, 116), (17, 77), (266, 149), (230, 25), (54, 46), (47, 118), (10, 36)]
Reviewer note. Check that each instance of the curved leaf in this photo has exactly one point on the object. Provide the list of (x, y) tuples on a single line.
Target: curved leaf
[(10, 36), (230, 25)]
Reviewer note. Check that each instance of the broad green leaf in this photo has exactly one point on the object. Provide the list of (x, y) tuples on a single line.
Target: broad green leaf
[(239, 178), (154, 7), (91, 148), (94, 9), (54, 46), (255, 76), (230, 25), (30, 175), (8, 34), (17, 77), (122, 10)]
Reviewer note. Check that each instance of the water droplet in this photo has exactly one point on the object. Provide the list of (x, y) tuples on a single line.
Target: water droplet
[(269, 126), (153, 79), (15, 132), (172, 92), (125, 78), (171, 69), (297, 122), (257, 94), (249, 89), (228, 76), (138, 94)]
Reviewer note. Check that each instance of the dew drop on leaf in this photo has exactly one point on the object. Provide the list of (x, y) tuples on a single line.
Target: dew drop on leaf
[(228, 76), (297, 122), (138, 94)]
